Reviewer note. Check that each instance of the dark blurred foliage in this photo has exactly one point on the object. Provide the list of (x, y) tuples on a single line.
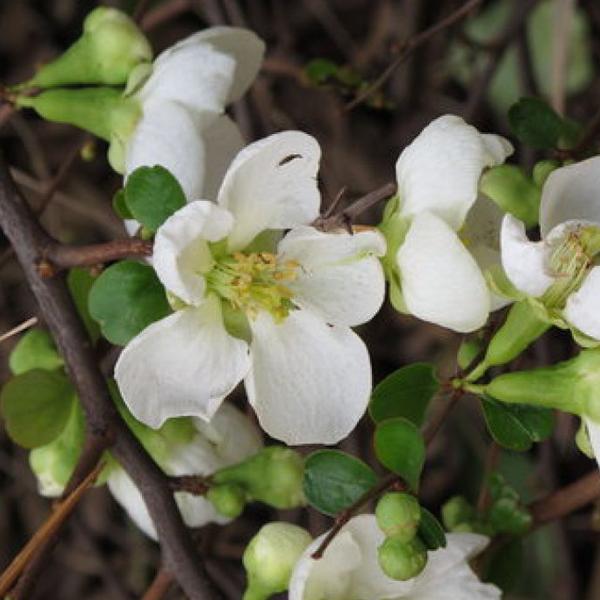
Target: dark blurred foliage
[(102, 555)]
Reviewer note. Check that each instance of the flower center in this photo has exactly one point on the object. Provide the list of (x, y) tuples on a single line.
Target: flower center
[(254, 282), (570, 261)]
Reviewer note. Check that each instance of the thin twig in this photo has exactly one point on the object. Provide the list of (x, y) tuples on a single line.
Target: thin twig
[(21, 327), (57, 257), (46, 531), (159, 586), (163, 13), (491, 461), (567, 499), (410, 46)]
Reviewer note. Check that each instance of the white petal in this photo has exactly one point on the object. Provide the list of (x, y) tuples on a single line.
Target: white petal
[(448, 575), (571, 193), (583, 307), (223, 141), (441, 282), (244, 46), (524, 262), (207, 70), (182, 365), (272, 184), (340, 277), (170, 135), (202, 455), (128, 496), (309, 382), (439, 172), (181, 255)]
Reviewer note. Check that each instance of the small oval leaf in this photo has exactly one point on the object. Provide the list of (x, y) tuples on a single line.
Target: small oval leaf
[(431, 531), (36, 406), (333, 480), (405, 393), (399, 446), (125, 299)]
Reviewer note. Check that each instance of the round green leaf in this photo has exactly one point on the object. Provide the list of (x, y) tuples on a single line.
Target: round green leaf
[(125, 299), (399, 446), (405, 393), (535, 123), (80, 283), (516, 426), (35, 350), (334, 480), (36, 406), (152, 195), (431, 531)]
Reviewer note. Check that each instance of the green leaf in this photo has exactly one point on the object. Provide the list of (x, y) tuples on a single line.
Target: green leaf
[(125, 299), (120, 206), (80, 283), (535, 123), (36, 406), (399, 446), (516, 426), (319, 70), (431, 531), (35, 350), (152, 195), (405, 393), (334, 480)]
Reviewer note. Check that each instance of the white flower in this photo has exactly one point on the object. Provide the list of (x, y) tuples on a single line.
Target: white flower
[(349, 569), (560, 269), (182, 125), (307, 374), (451, 235), (228, 439)]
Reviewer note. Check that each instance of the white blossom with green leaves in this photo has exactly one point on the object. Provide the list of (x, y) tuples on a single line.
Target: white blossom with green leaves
[(275, 311)]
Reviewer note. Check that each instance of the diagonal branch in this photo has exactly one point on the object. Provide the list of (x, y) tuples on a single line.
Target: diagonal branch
[(103, 422)]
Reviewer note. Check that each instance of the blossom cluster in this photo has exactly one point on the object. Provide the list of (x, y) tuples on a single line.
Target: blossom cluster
[(260, 293)]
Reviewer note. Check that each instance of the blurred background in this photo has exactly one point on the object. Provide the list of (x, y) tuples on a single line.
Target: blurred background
[(321, 54)]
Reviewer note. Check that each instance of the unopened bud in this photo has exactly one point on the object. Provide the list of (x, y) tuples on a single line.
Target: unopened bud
[(456, 512), (402, 560), (270, 558), (398, 515), (273, 476), (109, 48), (228, 499)]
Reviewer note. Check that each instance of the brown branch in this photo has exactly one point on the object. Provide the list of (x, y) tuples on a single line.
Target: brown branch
[(567, 499), (197, 485), (54, 522), (349, 214), (56, 257), (163, 13), (412, 44), (159, 586), (58, 311)]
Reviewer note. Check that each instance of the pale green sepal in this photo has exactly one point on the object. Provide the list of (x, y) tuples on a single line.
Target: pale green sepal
[(138, 76), (582, 439), (513, 191), (542, 170), (102, 111), (499, 284), (270, 558), (109, 48), (236, 322), (522, 327), (265, 241)]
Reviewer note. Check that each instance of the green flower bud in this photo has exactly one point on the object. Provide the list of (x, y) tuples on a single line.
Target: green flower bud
[(507, 516), (457, 512), (513, 191), (542, 170), (273, 476), (101, 111), (468, 351), (523, 326), (398, 515), (228, 499), (270, 558), (402, 560), (110, 47)]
